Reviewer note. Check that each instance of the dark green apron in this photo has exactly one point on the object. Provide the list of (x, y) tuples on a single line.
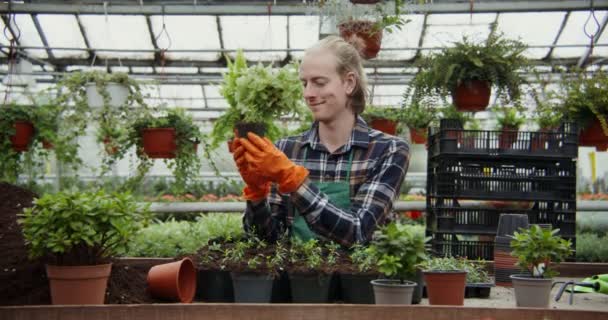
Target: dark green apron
[(338, 194)]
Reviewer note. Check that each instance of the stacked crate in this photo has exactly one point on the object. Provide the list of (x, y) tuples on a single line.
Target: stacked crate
[(473, 176)]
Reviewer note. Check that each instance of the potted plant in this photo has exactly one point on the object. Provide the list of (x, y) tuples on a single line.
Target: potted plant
[(398, 248), (362, 26), (468, 70), (77, 233), (173, 136), (385, 119), (257, 96), (445, 279), (310, 267), (418, 118), (358, 268), (585, 102), (509, 120), (536, 250)]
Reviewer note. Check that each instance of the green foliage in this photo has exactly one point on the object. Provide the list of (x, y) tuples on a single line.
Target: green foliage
[(383, 15), (508, 117), (442, 264), (174, 238), (257, 94), (417, 115), (595, 222), (586, 99), (497, 61), (361, 257), (450, 112), (374, 112), (398, 249), (13, 163), (316, 256), (82, 228), (536, 249), (591, 247), (186, 164)]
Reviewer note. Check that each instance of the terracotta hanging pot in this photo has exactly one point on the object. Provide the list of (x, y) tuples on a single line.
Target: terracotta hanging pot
[(384, 125), (159, 143), (78, 284), (359, 34), (593, 136), (445, 287), (472, 96), (24, 131), (418, 135), (507, 137), (174, 281)]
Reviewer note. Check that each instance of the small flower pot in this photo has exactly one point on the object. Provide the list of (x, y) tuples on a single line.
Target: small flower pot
[(384, 125), (445, 287), (78, 284), (418, 135), (242, 128), (175, 281), (472, 96), (531, 292), (389, 291), (360, 34), (252, 287), (159, 143), (118, 95), (24, 131)]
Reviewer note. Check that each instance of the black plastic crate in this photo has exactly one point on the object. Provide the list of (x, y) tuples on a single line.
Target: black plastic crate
[(453, 245), (485, 221), (502, 180), (451, 139)]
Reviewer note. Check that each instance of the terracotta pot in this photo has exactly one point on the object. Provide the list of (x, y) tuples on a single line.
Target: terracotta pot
[(445, 287), (418, 136), (175, 281), (507, 138), (593, 136), (78, 284), (384, 125), (358, 33), (159, 143), (24, 131), (47, 145), (472, 96)]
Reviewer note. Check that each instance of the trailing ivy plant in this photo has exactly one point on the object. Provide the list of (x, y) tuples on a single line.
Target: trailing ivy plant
[(537, 249), (186, 164), (81, 228), (585, 99), (496, 60)]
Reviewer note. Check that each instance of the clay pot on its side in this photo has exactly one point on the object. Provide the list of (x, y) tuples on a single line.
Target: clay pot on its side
[(174, 281)]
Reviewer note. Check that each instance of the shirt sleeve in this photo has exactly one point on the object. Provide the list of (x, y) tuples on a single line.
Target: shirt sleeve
[(267, 219), (370, 207)]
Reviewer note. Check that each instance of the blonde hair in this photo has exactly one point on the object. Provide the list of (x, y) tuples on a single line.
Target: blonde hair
[(348, 60)]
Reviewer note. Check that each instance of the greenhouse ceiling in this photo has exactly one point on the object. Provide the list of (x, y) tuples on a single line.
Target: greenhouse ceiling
[(181, 44)]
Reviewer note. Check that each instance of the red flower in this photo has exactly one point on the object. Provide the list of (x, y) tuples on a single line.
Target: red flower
[(413, 214)]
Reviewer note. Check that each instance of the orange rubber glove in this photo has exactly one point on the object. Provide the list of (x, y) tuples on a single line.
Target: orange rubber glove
[(265, 159), (257, 187)]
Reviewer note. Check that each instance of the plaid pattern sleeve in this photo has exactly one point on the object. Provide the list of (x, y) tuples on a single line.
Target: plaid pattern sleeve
[(378, 168)]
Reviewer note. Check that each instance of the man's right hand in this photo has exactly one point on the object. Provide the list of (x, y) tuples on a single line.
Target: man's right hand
[(257, 187)]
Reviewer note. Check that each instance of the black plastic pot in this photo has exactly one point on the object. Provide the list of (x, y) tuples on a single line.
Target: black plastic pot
[(252, 287), (357, 288), (242, 128), (214, 286), (281, 289), (478, 290), (310, 288)]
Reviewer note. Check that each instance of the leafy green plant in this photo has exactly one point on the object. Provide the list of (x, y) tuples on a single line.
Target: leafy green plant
[(450, 112), (398, 248), (254, 255), (257, 94), (508, 118), (361, 257), (383, 15), (417, 115), (476, 272), (377, 112), (537, 248), (186, 164), (442, 264), (81, 228), (497, 61), (591, 247), (585, 99), (13, 163)]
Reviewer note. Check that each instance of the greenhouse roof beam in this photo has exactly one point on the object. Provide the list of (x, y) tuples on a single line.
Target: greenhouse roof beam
[(290, 9), (90, 51), (558, 35), (43, 38)]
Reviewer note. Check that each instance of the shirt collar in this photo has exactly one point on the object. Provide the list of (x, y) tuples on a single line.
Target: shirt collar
[(359, 136)]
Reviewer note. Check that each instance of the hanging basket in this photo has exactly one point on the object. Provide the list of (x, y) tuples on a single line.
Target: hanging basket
[(418, 135), (159, 143), (384, 125), (118, 95), (593, 136), (359, 34), (24, 131), (472, 96)]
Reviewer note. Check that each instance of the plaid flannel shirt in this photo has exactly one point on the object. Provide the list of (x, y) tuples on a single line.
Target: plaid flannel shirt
[(379, 165)]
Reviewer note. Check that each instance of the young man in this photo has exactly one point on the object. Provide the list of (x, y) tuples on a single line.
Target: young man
[(337, 180)]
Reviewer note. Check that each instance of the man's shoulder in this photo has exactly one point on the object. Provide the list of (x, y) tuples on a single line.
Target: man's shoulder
[(387, 142)]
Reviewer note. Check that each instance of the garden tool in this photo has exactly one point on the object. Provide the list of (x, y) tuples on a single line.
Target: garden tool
[(265, 159), (593, 286), (601, 280)]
